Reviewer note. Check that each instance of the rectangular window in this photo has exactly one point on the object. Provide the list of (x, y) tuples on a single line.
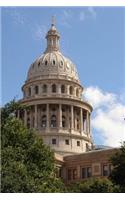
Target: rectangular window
[(67, 142), (110, 169), (74, 174), (69, 174), (83, 173), (105, 170), (89, 172), (78, 143), (53, 141)]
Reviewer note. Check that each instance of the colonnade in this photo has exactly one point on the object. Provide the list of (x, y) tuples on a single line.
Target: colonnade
[(72, 117)]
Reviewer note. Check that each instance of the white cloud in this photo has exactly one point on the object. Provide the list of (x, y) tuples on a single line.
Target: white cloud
[(109, 113)]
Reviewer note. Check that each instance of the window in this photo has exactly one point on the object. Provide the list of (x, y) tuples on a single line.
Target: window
[(87, 147), (77, 92), (89, 172), (54, 62), (53, 121), (71, 90), (78, 143), (69, 174), (67, 142), (36, 89), (44, 109), (54, 141), (74, 173), (38, 64), (62, 89), (61, 62), (43, 123), (63, 121), (77, 124), (83, 173), (46, 62), (105, 170), (53, 88), (29, 91), (44, 88)]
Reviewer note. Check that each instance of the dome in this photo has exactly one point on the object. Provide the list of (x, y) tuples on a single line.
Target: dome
[(52, 64)]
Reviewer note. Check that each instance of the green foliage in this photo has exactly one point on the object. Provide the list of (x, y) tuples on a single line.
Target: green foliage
[(27, 163), (93, 185), (118, 172)]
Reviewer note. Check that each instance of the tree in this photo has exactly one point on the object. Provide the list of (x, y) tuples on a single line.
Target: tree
[(93, 185), (118, 172), (27, 163)]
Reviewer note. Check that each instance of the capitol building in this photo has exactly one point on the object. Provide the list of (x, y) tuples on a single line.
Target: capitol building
[(60, 115)]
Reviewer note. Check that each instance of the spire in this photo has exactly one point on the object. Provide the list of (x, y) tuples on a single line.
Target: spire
[(52, 38), (53, 21)]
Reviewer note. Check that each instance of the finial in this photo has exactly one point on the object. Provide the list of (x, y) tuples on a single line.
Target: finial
[(53, 21)]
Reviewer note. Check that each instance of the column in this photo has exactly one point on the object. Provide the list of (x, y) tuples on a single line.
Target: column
[(47, 115), (60, 115), (35, 123), (87, 122), (25, 117), (72, 118), (81, 120)]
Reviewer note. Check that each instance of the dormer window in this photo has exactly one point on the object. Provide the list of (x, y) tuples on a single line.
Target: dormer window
[(54, 62), (46, 62), (38, 64)]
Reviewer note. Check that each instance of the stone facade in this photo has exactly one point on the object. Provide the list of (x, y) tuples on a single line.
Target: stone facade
[(75, 168)]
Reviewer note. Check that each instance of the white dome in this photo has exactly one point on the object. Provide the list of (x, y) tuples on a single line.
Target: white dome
[(53, 64)]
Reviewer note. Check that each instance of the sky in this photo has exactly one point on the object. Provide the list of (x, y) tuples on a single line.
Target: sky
[(92, 37)]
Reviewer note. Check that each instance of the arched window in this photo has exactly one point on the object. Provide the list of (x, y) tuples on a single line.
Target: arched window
[(63, 121), (45, 62), (54, 88), (71, 90), (77, 124), (36, 89), (62, 88), (43, 121), (53, 121), (77, 92), (29, 91), (44, 88)]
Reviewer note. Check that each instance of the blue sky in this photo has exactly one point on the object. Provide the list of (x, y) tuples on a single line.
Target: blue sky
[(92, 37)]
